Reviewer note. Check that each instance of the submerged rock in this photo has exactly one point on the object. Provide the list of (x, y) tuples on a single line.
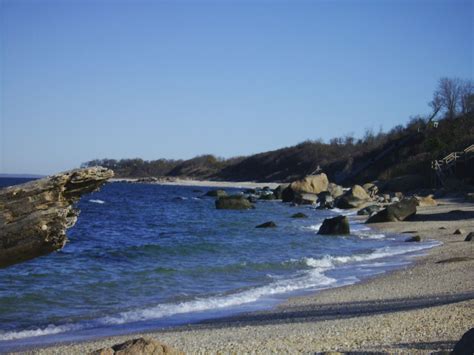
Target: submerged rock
[(269, 224), (234, 202), (335, 225), (140, 346), (34, 216), (216, 193), (398, 211), (299, 215)]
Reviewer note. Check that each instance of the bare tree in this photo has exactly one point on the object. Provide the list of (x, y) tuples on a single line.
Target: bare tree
[(467, 96), (449, 92)]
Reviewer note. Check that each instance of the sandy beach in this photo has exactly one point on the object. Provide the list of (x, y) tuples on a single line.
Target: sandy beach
[(206, 183), (421, 308)]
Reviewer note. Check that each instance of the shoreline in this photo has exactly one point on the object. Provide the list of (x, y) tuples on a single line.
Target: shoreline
[(420, 307), (202, 183)]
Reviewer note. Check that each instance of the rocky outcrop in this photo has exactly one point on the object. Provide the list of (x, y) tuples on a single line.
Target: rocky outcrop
[(398, 211), (354, 198), (140, 346), (234, 202), (337, 225), (34, 216), (313, 184)]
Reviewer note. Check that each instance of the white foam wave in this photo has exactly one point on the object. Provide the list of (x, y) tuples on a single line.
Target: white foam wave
[(314, 227), (97, 201), (50, 329), (311, 279)]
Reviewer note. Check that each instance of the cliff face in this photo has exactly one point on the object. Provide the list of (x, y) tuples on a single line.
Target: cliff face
[(34, 216)]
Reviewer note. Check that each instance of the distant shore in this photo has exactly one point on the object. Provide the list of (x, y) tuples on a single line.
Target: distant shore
[(423, 307), (204, 183)]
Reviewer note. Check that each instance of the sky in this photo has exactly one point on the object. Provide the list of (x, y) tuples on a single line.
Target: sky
[(81, 80)]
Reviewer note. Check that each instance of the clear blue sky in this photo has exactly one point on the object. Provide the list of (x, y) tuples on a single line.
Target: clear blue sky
[(122, 79)]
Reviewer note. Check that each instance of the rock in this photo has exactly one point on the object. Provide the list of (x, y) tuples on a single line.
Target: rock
[(466, 344), (371, 189), (386, 197), (415, 238), (305, 199), (140, 346), (267, 196), (216, 193), (335, 190), (34, 216), (398, 211), (234, 202), (337, 225), (425, 201), (405, 183), (313, 184), (326, 201), (459, 231), (469, 237), (354, 198), (269, 224), (369, 210), (279, 190), (299, 215)]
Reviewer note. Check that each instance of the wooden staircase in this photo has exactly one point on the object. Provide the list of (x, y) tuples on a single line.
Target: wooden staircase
[(446, 167)]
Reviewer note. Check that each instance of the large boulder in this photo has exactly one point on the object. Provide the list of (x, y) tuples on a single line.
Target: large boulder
[(140, 346), (398, 211), (234, 202), (336, 225), (371, 189), (354, 198), (313, 184), (305, 199), (405, 183), (466, 344), (279, 191), (335, 190)]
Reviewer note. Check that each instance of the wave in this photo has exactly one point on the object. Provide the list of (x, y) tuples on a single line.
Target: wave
[(310, 279), (97, 201), (49, 330)]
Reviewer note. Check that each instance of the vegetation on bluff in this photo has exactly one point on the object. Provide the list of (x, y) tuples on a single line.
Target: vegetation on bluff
[(403, 150)]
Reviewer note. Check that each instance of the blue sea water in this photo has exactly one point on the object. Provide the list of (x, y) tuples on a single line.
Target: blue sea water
[(145, 256)]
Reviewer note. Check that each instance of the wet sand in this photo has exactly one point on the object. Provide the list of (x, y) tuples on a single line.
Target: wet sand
[(423, 307)]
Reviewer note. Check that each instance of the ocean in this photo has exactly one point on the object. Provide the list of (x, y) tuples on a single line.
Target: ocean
[(144, 256)]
